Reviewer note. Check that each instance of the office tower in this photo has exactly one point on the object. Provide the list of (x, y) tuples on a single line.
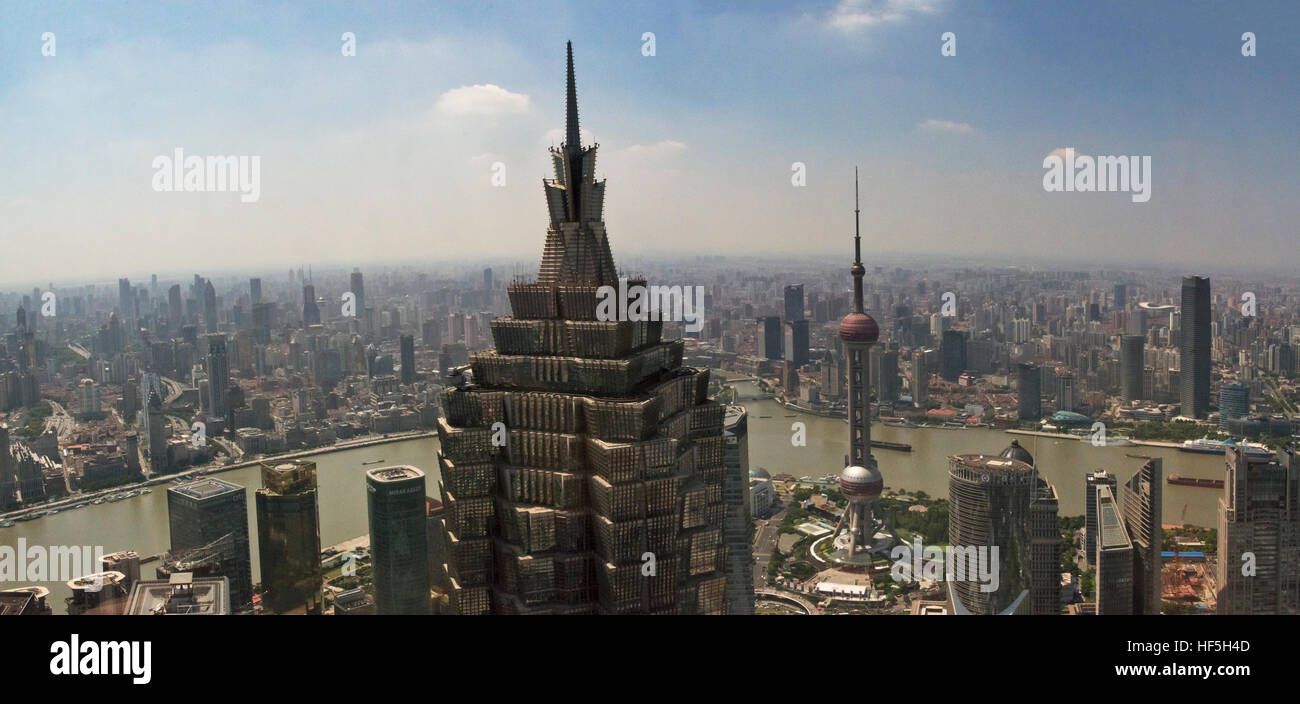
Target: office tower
[(953, 354), (789, 380), (288, 537), (157, 430), (25, 601), (920, 379), (1259, 533), (262, 322), (1029, 391), (310, 311), (1131, 367), (125, 561), (174, 309), (99, 594), (793, 303), (1194, 347), (1090, 527), (456, 327), (218, 368), (407, 344), (487, 280), (736, 522), (131, 450), (1142, 519), (1120, 297), (181, 594), (430, 336), (1065, 398), (1234, 402), (604, 495), (471, 332), (889, 384), (125, 304), (773, 339), (359, 290), (8, 479), (210, 306), (399, 542), (1114, 557), (1045, 551), (213, 510), (796, 342), (989, 507), (1044, 539), (860, 481)]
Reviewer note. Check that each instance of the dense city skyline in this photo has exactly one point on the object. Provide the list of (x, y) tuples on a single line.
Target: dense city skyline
[(549, 422)]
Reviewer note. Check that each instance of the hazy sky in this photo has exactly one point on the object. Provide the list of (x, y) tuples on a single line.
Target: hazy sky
[(388, 155)]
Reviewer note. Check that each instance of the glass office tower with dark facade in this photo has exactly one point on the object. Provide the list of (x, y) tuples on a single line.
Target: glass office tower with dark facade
[(773, 340), (407, 346), (1143, 519), (288, 537), (399, 539), (205, 511), (1029, 391), (989, 501), (1194, 347), (1131, 366)]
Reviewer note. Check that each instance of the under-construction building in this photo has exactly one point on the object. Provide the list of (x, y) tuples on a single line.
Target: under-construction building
[(582, 469)]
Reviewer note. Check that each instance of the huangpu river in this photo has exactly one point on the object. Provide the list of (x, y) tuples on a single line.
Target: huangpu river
[(140, 523), (1061, 462)]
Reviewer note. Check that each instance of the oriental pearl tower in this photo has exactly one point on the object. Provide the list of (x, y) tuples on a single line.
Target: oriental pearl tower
[(860, 482)]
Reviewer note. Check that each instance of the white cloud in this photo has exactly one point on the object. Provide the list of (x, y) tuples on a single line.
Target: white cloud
[(946, 126), (1058, 152), (486, 99), (852, 14), (663, 148)]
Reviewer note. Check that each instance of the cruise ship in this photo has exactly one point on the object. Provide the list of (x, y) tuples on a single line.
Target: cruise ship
[(1217, 447)]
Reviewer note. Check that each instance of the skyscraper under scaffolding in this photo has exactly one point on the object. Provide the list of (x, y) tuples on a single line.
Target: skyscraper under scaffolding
[(582, 468)]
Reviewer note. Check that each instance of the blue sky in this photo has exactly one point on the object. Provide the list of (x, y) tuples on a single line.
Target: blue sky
[(388, 155)]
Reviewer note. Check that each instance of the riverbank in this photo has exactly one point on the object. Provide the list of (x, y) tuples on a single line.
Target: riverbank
[(80, 500)]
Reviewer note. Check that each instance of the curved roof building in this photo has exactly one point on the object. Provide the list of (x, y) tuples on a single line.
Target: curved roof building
[(988, 520)]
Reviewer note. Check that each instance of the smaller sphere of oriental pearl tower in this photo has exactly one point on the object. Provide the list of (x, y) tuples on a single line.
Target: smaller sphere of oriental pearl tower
[(860, 482)]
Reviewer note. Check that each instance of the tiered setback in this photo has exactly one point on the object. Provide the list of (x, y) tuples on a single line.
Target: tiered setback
[(585, 504)]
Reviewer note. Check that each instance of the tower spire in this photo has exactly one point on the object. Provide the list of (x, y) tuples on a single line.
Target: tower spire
[(571, 135), (858, 269), (857, 234)]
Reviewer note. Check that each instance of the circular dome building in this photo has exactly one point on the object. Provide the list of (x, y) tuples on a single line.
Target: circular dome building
[(1015, 452)]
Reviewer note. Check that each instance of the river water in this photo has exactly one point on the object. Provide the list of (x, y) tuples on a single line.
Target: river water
[(1061, 462), (140, 523)]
